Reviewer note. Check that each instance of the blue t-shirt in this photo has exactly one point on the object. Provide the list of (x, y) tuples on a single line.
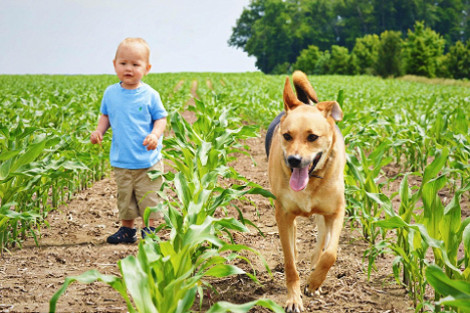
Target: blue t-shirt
[(132, 113)]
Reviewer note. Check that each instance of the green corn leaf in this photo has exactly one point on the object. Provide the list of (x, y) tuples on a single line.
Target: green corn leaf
[(54, 141), (435, 167), (231, 223), (223, 270), (466, 240), (340, 97), (209, 258), (6, 212), (136, 280), (184, 305), (433, 207), (397, 222), (445, 286), (203, 151), (182, 189), (31, 153), (89, 277), (450, 225), (5, 169), (5, 155), (460, 303), (391, 223), (383, 201), (223, 307), (199, 233), (261, 191)]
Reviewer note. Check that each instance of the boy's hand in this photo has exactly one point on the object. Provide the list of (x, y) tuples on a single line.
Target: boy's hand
[(151, 141), (96, 137)]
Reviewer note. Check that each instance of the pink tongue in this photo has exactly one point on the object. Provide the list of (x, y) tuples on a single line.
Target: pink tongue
[(299, 178)]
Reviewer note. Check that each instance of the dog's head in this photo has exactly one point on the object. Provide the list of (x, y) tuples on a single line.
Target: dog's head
[(307, 131)]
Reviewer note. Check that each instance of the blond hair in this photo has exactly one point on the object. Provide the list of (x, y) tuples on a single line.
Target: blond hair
[(132, 41)]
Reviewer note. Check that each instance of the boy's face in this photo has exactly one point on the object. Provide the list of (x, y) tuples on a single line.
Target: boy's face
[(131, 64)]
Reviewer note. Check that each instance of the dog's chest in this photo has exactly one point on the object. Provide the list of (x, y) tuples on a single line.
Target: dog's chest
[(305, 203)]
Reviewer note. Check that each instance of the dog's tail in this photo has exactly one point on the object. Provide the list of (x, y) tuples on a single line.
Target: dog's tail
[(304, 89)]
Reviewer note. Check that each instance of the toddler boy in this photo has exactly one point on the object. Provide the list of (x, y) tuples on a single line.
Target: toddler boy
[(137, 117)]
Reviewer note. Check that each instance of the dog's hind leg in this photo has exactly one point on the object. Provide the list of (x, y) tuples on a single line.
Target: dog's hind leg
[(319, 246), (286, 226), (333, 226)]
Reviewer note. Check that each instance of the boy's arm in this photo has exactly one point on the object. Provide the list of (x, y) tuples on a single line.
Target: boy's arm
[(151, 141), (103, 125)]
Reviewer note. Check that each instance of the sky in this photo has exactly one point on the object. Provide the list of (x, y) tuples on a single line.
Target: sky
[(81, 36)]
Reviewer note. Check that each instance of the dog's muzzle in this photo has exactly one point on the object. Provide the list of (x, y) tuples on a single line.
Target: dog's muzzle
[(295, 161)]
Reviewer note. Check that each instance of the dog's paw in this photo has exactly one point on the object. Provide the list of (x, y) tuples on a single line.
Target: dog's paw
[(294, 308), (311, 293)]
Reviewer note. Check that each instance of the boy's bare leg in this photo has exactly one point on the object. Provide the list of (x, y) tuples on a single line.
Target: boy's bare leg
[(128, 223), (151, 223)]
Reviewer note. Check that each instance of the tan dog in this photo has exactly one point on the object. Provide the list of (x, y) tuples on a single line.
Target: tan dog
[(306, 163)]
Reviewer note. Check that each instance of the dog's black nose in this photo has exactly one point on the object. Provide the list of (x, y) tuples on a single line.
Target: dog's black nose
[(294, 161)]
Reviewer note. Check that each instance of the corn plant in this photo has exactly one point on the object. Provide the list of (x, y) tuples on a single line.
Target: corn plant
[(363, 187), (9, 224), (199, 153), (456, 293), (165, 277), (436, 226)]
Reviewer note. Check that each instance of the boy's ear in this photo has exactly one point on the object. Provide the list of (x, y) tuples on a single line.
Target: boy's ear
[(149, 66)]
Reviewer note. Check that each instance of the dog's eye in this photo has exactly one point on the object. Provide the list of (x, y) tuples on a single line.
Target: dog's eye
[(312, 137), (287, 137)]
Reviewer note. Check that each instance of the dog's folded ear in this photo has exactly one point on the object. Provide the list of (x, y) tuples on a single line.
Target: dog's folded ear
[(290, 99), (331, 108)]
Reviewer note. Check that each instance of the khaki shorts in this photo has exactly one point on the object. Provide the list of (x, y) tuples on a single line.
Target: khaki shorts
[(136, 192)]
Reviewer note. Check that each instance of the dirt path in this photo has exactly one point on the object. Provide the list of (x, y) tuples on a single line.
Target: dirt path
[(76, 242)]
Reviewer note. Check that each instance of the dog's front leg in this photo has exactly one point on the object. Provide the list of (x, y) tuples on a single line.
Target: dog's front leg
[(286, 226), (333, 226)]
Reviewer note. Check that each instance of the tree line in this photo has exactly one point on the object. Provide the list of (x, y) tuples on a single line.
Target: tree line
[(377, 37)]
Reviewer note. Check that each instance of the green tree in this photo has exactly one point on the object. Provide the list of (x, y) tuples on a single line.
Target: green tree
[(341, 62), (355, 19), (283, 68), (389, 54), (457, 61), (276, 31), (422, 50), (266, 30), (318, 21), (307, 59), (451, 19), (366, 52), (397, 15), (323, 65)]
